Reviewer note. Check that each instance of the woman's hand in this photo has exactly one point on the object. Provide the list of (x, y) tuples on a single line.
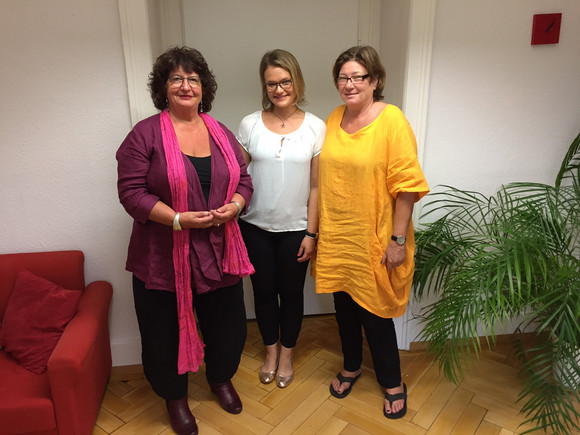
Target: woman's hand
[(224, 214), (394, 255), (195, 219), (165, 215), (306, 249)]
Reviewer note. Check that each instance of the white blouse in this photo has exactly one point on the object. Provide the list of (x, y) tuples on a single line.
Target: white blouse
[(280, 170)]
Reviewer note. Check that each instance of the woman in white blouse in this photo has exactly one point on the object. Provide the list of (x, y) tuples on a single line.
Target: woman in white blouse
[(281, 144)]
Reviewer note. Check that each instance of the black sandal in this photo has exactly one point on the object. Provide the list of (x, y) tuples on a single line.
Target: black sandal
[(342, 379), (391, 398)]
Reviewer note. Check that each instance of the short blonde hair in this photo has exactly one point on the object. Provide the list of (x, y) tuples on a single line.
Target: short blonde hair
[(285, 60)]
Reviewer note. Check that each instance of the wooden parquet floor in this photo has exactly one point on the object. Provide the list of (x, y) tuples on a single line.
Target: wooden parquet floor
[(484, 403)]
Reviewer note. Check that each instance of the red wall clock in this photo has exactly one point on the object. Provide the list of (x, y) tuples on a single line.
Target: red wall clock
[(546, 29)]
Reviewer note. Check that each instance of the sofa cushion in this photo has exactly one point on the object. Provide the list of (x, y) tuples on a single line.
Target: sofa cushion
[(36, 315), (25, 399)]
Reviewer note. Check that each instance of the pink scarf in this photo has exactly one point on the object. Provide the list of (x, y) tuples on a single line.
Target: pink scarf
[(235, 260)]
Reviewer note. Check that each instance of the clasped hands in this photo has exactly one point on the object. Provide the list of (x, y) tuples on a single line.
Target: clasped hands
[(206, 219)]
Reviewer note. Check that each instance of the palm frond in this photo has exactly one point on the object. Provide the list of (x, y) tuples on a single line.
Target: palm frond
[(570, 168), (547, 403), (515, 253)]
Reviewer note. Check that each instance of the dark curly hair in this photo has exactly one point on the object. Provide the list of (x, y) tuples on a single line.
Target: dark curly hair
[(190, 60), (367, 57)]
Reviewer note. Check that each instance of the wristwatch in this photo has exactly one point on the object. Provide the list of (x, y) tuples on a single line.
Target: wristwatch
[(399, 239)]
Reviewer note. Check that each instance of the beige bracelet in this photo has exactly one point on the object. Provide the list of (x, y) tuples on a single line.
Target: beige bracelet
[(176, 224)]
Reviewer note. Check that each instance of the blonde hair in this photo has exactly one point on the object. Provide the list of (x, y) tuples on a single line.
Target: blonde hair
[(285, 60)]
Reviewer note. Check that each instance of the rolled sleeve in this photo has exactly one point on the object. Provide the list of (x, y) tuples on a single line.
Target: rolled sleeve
[(404, 172)]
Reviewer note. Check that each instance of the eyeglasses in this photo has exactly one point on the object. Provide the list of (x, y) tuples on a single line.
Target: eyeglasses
[(284, 84), (177, 81), (355, 80)]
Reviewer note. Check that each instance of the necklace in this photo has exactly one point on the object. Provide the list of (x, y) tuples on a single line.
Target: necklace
[(283, 121)]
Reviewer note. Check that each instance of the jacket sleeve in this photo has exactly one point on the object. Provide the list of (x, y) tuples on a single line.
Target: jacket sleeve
[(133, 169), (245, 186)]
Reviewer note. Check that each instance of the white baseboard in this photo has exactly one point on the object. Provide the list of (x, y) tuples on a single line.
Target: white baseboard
[(126, 353)]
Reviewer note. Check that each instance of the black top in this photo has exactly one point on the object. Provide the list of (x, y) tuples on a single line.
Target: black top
[(202, 166)]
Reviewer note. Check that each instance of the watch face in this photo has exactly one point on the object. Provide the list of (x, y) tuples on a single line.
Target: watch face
[(399, 239)]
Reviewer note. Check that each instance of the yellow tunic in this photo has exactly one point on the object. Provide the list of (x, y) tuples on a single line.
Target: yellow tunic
[(360, 176)]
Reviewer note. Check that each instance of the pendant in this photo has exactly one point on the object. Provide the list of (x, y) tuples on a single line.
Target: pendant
[(282, 124)]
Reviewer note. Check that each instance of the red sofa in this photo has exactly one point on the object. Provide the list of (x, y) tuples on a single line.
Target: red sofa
[(65, 399)]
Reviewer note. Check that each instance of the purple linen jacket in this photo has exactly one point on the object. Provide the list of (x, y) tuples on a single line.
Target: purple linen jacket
[(142, 181)]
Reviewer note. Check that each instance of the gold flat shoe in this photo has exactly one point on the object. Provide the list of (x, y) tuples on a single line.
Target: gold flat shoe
[(267, 377), (284, 381)]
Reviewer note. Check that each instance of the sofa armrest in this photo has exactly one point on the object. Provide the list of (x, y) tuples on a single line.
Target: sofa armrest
[(87, 324), (80, 364)]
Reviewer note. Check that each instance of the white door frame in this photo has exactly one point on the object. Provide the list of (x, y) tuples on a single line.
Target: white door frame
[(415, 106)]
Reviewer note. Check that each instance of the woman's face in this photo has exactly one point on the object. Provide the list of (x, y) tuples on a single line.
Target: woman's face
[(183, 90), (355, 94), (279, 87)]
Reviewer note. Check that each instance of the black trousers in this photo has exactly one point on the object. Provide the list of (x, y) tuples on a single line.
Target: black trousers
[(380, 334), (221, 316), (278, 282)]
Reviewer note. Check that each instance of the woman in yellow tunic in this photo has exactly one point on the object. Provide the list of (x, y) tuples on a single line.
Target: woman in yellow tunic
[(369, 180)]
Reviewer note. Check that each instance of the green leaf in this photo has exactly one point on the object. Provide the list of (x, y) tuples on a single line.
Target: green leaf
[(489, 259)]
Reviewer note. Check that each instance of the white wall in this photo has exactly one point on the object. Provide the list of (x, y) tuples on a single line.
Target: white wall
[(394, 34), (64, 113), (253, 27), (500, 110)]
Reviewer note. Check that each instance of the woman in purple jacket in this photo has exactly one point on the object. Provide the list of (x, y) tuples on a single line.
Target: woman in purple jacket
[(183, 179)]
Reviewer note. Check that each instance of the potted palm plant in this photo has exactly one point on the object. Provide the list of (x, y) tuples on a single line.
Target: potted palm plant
[(513, 255)]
